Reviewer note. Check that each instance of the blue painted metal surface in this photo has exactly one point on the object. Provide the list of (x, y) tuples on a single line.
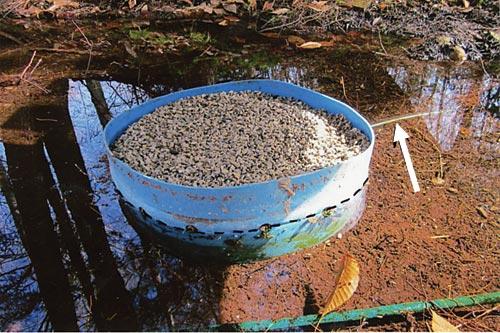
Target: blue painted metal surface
[(251, 221)]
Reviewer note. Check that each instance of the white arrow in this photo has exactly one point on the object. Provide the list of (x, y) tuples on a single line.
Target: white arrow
[(401, 136)]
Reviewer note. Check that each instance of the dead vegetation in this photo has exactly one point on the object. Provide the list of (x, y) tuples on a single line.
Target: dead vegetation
[(456, 30)]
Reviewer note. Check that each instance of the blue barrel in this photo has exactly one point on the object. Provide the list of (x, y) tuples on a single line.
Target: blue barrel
[(251, 221)]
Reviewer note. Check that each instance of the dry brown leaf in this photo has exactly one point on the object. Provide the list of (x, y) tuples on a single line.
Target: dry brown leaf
[(280, 11), (206, 8), (231, 19), (319, 6), (230, 8), (360, 4), (215, 3), (309, 45), (295, 40), (439, 324), (252, 4), (345, 286), (327, 43), (437, 181), (130, 50), (219, 11), (268, 6), (66, 3), (273, 35), (131, 3), (224, 23), (56, 4)]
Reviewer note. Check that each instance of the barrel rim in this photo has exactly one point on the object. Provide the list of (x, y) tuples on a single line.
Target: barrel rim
[(109, 141)]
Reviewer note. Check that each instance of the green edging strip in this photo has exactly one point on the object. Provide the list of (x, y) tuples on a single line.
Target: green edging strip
[(356, 315)]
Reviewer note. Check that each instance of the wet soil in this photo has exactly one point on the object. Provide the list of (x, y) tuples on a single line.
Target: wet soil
[(70, 259)]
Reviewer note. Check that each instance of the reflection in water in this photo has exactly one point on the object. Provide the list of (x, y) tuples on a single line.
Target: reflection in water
[(451, 95)]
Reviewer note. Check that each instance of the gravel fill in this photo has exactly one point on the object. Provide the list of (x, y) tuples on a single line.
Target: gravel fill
[(234, 138)]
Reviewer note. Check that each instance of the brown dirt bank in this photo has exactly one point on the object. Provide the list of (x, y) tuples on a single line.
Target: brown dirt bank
[(456, 30)]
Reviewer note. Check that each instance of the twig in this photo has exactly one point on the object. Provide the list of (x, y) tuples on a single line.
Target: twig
[(35, 67), (57, 50), (381, 44), (89, 43), (21, 77), (46, 119), (10, 37), (404, 117), (343, 87)]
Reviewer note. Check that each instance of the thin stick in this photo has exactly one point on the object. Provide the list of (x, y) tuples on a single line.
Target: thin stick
[(57, 50), (28, 66), (35, 67), (89, 43), (381, 44), (343, 87), (10, 37), (404, 117)]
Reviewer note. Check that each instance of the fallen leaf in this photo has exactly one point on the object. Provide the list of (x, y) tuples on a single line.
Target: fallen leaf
[(319, 6), (268, 6), (132, 3), (231, 19), (252, 4), (280, 11), (452, 190), (230, 8), (482, 212), (360, 4), (295, 40), (437, 181), (327, 43), (273, 35), (345, 285), (130, 50), (309, 45), (56, 4), (206, 8), (439, 324), (215, 3), (223, 23), (219, 11), (466, 3)]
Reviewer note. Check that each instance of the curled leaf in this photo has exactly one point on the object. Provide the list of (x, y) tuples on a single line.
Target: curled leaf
[(309, 45), (280, 11), (230, 8), (439, 324), (268, 6), (295, 40), (319, 6), (346, 284)]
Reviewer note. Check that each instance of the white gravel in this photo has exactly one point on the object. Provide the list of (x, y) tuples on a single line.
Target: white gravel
[(236, 138)]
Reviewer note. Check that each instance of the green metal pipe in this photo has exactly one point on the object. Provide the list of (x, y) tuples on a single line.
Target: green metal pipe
[(356, 315)]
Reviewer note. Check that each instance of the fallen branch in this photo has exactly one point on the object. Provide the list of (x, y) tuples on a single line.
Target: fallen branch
[(58, 50), (10, 37)]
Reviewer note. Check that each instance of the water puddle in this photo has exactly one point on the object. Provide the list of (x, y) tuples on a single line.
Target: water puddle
[(70, 259)]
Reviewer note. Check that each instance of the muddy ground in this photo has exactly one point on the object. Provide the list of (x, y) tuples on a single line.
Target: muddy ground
[(71, 260)]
